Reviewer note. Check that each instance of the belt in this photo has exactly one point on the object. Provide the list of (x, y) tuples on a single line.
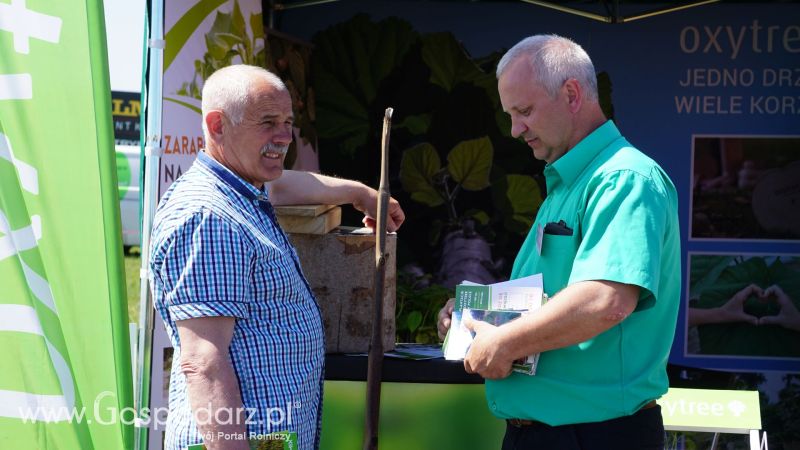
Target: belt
[(520, 423)]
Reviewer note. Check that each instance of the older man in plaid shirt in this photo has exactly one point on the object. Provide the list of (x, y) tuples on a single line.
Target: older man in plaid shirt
[(246, 328)]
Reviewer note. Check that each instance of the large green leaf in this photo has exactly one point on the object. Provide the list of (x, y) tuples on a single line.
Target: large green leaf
[(704, 272), (220, 39), (751, 268), (183, 29), (257, 25), (416, 124), (228, 40), (413, 321), (217, 47), (417, 168), (478, 215), (788, 276), (519, 198), (351, 59), (450, 64), (469, 163), (751, 340), (239, 28), (349, 119)]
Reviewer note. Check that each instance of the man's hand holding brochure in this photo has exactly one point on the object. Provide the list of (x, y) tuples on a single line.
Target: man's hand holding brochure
[(495, 304)]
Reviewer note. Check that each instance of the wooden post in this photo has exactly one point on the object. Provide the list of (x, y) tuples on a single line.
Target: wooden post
[(375, 361)]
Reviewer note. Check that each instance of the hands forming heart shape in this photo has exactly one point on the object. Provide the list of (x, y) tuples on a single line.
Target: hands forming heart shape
[(733, 309)]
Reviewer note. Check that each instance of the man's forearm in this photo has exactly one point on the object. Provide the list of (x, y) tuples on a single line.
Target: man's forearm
[(295, 187), (217, 404), (578, 313)]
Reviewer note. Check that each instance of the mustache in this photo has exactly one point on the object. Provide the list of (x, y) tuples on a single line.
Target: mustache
[(273, 148)]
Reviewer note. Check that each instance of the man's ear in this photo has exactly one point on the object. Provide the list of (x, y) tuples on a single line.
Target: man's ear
[(573, 92), (215, 123)]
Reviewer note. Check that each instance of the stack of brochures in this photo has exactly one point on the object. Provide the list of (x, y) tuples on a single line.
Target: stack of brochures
[(496, 304)]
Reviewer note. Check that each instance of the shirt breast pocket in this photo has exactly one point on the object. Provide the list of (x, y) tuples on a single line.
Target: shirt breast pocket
[(555, 262)]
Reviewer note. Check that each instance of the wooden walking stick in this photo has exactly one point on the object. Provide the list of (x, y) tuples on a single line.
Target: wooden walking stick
[(375, 361)]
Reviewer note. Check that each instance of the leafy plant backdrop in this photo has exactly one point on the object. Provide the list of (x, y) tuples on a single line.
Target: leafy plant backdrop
[(714, 280), (446, 108), (470, 191)]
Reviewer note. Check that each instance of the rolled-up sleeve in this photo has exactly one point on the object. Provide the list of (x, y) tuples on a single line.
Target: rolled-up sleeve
[(206, 270)]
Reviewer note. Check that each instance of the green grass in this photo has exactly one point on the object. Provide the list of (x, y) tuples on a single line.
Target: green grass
[(412, 416), (132, 263)]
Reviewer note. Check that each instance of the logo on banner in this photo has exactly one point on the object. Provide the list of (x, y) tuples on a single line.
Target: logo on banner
[(25, 24)]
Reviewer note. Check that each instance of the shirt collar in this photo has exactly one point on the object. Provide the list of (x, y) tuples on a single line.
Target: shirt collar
[(575, 160), (228, 177)]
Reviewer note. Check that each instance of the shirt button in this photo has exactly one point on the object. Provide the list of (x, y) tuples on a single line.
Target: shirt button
[(494, 406)]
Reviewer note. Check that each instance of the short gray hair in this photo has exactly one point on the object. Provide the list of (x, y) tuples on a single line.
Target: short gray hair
[(553, 60), (229, 90)]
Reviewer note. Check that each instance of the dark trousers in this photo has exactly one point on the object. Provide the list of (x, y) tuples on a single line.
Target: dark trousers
[(643, 430)]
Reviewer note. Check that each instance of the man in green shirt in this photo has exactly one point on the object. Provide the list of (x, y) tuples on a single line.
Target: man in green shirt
[(607, 241)]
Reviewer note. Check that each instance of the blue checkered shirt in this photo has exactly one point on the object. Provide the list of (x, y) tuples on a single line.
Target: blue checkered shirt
[(218, 251)]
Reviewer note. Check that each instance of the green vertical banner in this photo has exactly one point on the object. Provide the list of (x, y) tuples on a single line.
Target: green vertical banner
[(65, 370)]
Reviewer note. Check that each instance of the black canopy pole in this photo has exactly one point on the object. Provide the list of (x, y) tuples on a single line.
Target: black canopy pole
[(375, 361)]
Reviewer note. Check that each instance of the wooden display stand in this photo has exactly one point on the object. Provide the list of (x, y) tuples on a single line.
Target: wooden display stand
[(309, 219), (339, 264), (340, 267)]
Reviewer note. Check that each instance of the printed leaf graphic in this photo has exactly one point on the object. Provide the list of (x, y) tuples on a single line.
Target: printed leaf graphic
[(744, 339)]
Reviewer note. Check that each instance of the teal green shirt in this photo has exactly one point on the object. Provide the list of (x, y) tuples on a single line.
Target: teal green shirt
[(623, 211)]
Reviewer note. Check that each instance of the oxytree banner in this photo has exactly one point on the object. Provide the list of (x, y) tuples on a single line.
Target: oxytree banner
[(65, 375)]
